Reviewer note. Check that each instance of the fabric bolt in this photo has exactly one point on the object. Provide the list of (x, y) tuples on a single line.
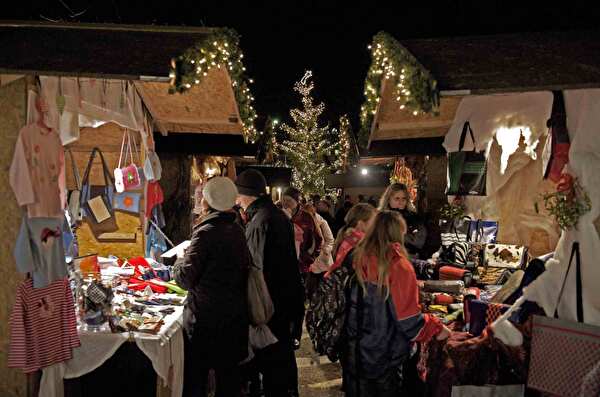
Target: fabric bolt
[(43, 326), (39, 250), (165, 350), (37, 174)]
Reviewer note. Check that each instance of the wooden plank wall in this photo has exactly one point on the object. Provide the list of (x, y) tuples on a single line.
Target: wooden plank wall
[(13, 102)]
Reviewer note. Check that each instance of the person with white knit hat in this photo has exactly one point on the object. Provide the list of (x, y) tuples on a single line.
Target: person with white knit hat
[(214, 270)]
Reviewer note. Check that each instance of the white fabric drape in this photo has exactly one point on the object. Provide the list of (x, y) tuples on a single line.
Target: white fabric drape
[(164, 350), (583, 121)]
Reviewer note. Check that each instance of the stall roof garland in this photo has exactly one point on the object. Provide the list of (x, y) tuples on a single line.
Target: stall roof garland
[(416, 89), (219, 49)]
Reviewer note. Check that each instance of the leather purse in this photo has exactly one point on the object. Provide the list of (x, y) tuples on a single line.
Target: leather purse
[(96, 200)]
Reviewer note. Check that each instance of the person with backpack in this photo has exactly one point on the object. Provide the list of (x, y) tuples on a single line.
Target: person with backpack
[(326, 311), (384, 318), (270, 237), (214, 270)]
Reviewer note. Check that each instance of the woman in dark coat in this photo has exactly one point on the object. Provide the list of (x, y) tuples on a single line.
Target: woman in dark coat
[(215, 273)]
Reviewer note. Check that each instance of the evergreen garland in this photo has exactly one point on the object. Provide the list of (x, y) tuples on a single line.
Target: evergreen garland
[(219, 49), (416, 89)]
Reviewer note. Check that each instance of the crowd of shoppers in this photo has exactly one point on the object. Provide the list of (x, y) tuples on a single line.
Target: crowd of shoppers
[(295, 243)]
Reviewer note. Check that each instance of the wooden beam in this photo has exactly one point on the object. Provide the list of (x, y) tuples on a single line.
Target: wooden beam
[(211, 144), (397, 147)]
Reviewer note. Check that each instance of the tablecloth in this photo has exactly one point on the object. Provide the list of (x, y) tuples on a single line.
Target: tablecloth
[(165, 351)]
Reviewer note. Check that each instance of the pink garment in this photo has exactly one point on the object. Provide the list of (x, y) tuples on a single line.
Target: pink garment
[(43, 327), (37, 172)]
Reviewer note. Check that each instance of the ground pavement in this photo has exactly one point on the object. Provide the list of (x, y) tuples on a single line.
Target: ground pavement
[(317, 379)]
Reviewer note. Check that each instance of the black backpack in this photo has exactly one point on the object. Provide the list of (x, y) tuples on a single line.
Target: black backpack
[(327, 311)]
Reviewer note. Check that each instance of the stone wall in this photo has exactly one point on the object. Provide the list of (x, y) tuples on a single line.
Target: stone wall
[(13, 103)]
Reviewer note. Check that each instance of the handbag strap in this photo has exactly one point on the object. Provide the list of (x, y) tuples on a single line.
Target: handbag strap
[(75, 170), (463, 136), (108, 181), (578, 284), (121, 152)]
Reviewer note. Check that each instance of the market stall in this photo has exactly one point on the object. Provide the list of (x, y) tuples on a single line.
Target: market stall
[(84, 166), (506, 134)]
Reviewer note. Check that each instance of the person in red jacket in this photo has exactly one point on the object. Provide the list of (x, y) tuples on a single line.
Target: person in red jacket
[(384, 317)]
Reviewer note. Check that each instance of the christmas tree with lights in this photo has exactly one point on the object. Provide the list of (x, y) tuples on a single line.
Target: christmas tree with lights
[(307, 146)]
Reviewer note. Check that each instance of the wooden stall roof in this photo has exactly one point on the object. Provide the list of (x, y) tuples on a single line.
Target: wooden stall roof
[(128, 52), (140, 53), (209, 107), (486, 65)]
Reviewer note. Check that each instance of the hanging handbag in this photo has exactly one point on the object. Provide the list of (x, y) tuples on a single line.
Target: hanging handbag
[(481, 231), (467, 170), (454, 230), (128, 177), (556, 150), (96, 201), (152, 167), (128, 202), (564, 352), (74, 196)]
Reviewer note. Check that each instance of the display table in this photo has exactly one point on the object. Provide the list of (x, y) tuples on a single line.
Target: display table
[(165, 351)]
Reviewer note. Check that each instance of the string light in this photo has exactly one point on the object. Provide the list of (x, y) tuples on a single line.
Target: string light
[(416, 89), (221, 48)]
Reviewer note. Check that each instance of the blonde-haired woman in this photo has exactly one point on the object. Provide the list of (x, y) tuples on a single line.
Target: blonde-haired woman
[(397, 198), (384, 317)]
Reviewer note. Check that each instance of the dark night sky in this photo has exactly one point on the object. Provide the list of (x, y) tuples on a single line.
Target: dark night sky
[(282, 39)]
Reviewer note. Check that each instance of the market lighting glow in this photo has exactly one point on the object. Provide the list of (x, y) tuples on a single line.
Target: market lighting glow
[(364, 171), (508, 139)]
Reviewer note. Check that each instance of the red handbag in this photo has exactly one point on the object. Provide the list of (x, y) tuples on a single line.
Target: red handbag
[(128, 177)]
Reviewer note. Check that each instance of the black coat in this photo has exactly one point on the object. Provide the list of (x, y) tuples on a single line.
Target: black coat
[(215, 273), (270, 236)]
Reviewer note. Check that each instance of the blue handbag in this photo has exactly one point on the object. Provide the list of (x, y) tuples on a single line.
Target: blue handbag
[(482, 231), (127, 201)]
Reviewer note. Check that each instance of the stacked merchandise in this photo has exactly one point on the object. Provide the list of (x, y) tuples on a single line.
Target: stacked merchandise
[(476, 274), (468, 284), (138, 294)]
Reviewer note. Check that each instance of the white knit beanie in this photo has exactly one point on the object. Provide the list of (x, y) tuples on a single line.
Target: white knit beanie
[(220, 193)]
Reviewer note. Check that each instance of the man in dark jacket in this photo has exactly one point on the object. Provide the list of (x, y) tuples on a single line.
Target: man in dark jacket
[(215, 273), (270, 236)]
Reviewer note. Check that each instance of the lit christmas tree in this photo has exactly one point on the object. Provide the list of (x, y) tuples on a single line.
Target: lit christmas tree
[(307, 145)]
